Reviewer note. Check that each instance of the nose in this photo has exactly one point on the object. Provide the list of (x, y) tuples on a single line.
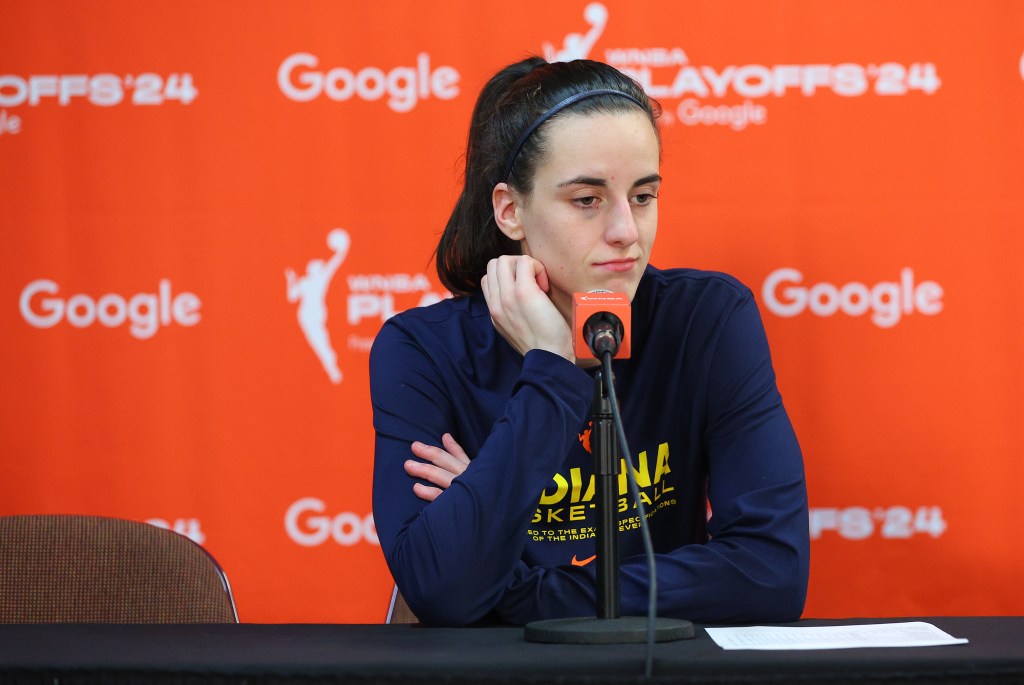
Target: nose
[(621, 228)]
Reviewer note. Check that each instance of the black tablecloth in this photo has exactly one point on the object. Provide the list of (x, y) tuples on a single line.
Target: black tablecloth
[(248, 654)]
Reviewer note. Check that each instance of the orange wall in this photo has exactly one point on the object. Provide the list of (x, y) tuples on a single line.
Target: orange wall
[(859, 165)]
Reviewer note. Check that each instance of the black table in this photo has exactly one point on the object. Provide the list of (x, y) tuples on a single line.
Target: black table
[(250, 654)]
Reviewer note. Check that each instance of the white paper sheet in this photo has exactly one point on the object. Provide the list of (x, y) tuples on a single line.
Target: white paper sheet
[(907, 634)]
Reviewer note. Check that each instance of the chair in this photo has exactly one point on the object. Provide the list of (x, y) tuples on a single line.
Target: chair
[(398, 610), (92, 569)]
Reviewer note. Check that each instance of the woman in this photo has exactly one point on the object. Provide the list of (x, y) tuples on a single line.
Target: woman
[(483, 489)]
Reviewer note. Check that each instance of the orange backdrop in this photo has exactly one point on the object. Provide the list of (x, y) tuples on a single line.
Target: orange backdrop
[(168, 172)]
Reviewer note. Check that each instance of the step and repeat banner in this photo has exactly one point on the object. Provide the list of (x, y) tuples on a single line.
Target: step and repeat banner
[(209, 208)]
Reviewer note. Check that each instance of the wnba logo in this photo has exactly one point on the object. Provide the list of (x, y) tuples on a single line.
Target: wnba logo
[(667, 73), (371, 297), (888, 301)]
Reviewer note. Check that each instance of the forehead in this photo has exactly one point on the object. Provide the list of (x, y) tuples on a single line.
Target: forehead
[(602, 142)]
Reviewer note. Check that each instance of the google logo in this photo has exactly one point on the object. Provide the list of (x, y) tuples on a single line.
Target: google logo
[(888, 301)]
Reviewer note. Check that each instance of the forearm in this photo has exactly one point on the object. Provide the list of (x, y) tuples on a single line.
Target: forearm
[(741, 578), (738, 578)]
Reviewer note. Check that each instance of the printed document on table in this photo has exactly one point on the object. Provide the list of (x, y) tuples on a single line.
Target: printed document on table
[(907, 634)]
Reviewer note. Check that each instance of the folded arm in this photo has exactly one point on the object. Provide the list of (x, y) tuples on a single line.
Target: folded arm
[(452, 557)]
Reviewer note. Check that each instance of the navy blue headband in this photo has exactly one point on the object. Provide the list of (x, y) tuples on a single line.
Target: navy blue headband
[(552, 112)]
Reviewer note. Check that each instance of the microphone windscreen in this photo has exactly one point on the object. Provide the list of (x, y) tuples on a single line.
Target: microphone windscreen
[(584, 305)]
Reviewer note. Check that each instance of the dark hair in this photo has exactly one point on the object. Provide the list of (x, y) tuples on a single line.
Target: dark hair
[(511, 101)]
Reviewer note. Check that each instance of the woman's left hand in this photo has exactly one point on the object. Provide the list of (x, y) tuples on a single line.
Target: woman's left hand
[(443, 467), (516, 290)]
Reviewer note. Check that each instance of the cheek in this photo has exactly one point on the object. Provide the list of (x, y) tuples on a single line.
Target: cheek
[(649, 229), (559, 259), (566, 257), (550, 248)]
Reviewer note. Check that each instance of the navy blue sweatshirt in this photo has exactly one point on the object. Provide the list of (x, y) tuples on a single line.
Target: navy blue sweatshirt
[(511, 538)]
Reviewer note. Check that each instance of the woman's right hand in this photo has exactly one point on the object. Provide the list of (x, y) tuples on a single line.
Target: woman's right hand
[(443, 466), (515, 289)]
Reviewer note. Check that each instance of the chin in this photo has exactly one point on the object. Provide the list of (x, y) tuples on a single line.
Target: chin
[(624, 285)]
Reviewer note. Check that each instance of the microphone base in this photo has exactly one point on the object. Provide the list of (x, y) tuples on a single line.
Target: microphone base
[(588, 630)]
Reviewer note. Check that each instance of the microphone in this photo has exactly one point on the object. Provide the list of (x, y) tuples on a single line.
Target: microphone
[(600, 322)]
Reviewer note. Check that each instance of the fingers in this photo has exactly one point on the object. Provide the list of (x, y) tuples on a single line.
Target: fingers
[(515, 289), (428, 472), (509, 279), (455, 450), (425, 492), (529, 270), (443, 466), (541, 276), (451, 460)]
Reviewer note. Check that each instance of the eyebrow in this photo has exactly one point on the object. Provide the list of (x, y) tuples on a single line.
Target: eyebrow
[(600, 182)]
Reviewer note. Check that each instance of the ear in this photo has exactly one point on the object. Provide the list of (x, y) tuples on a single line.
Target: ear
[(506, 211)]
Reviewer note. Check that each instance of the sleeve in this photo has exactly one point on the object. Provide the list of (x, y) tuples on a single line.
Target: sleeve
[(453, 558), (754, 565)]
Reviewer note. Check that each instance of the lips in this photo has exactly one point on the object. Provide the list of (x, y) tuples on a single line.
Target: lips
[(616, 265)]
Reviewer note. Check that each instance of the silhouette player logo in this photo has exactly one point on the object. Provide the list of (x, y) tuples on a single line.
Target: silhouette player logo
[(310, 291), (578, 45), (584, 436)]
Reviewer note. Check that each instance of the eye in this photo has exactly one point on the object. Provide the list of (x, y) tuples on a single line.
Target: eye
[(588, 201), (643, 199)]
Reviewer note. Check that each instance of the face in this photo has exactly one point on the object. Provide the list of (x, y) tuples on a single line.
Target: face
[(592, 214)]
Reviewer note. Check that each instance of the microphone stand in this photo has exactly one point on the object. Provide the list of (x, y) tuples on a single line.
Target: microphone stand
[(608, 627), (606, 470)]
